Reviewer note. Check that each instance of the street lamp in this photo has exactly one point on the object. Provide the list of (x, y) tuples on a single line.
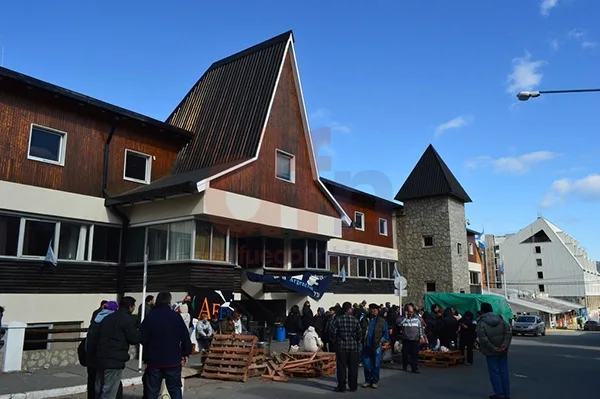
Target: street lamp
[(526, 95)]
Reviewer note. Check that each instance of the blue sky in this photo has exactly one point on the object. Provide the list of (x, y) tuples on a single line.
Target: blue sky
[(384, 79)]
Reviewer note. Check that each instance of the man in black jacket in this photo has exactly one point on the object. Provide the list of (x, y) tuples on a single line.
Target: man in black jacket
[(167, 345), (118, 332)]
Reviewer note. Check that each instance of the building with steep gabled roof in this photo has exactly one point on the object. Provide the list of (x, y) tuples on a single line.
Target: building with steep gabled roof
[(432, 238), (543, 259)]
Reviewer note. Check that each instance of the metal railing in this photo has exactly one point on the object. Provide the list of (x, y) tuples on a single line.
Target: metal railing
[(52, 332)]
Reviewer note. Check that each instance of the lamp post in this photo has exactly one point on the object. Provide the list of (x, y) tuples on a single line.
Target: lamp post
[(526, 95)]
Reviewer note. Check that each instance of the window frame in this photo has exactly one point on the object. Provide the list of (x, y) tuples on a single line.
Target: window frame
[(24, 218), (376, 276), (471, 248), (62, 148), (459, 248), (362, 228), (385, 233), (292, 159), (539, 262), (432, 240), (149, 159)]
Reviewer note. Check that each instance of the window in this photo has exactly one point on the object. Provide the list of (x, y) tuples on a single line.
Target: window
[(47, 145), (202, 248), (383, 227), (471, 249), (474, 278), (353, 267), (539, 262), (541, 288), (311, 260), (219, 243), (540, 275), (137, 167), (378, 272), (180, 240), (430, 286), (427, 241), (334, 265), (9, 235), (73, 242), (157, 242), (385, 270), (359, 221), (538, 249), (274, 252), (106, 245), (284, 166), (344, 264), (459, 248), (298, 255), (362, 267), (233, 250), (321, 255), (37, 237)]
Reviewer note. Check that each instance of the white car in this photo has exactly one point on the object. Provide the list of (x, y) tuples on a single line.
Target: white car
[(529, 325)]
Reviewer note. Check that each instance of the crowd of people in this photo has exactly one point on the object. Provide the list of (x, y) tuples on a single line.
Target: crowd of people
[(361, 334)]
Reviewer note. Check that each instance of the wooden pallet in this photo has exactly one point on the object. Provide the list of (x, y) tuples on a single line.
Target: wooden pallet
[(230, 357), (441, 359), (299, 364)]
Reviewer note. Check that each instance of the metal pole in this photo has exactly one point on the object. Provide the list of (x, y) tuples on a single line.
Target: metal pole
[(568, 91), (504, 278), (487, 269), (143, 309)]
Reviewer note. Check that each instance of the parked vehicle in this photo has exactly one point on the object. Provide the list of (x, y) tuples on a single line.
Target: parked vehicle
[(529, 325), (591, 325)]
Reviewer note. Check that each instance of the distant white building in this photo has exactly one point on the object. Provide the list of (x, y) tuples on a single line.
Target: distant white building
[(543, 259)]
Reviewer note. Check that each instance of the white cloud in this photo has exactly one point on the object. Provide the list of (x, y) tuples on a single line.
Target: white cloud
[(322, 118), (513, 165), (546, 6), (572, 170), (456, 123), (525, 74), (554, 43), (581, 36), (587, 189)]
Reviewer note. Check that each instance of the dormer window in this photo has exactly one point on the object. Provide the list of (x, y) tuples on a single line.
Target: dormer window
[(285, 166)]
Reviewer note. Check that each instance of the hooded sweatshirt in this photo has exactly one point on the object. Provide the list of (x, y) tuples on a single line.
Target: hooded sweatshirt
[(93, 337), (311, 341), (493, 332)]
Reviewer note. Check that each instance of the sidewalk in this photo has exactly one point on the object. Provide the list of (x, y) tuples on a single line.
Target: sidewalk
[(72, 380)]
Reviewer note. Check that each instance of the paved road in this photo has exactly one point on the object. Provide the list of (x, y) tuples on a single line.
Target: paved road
[(560, 365)]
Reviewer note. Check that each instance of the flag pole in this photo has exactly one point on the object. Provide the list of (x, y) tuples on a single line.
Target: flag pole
[(504, 278), (143, 308)]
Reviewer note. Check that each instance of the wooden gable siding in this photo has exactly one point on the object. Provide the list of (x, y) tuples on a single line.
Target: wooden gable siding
[(285, 132), (84, 156), (373, 211), (476, 257)]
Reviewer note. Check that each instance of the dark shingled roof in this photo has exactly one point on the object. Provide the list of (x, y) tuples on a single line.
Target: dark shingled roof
[(227, 108), (335, 187), (431, 177)]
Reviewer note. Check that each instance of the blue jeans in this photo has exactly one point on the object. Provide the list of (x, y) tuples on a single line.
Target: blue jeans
[(372, 363), (498, 370), (172, 377)]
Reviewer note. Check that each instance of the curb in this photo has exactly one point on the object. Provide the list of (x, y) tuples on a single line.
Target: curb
[(57, 392)]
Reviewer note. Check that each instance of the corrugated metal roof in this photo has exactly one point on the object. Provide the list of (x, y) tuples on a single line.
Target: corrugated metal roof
[(227, 108), (431, 177)]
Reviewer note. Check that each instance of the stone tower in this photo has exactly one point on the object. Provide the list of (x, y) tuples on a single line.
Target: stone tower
[(431, 230)]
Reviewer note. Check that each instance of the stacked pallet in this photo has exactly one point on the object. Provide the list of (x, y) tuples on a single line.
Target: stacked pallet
[(441, 359), (259, 363), (230, 357), (300, 364)]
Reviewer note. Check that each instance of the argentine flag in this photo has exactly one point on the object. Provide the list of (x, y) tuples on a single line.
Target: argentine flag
[(396, 273), (343, 274), (480, 240), (50, 256)]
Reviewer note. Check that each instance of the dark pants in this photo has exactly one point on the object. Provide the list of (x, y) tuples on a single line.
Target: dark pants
[(347, 370), (204, 343), (172, 377), (294, 339), (466, 343), (410, 354)]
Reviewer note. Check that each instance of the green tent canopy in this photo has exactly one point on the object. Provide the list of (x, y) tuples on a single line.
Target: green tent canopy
[(472, 302)]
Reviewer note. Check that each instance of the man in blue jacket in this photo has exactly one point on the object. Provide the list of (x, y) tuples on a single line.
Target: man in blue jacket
[(375, 333), (167, 345)]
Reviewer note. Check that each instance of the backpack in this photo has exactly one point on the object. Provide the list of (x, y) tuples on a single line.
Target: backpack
[(81, 353)]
